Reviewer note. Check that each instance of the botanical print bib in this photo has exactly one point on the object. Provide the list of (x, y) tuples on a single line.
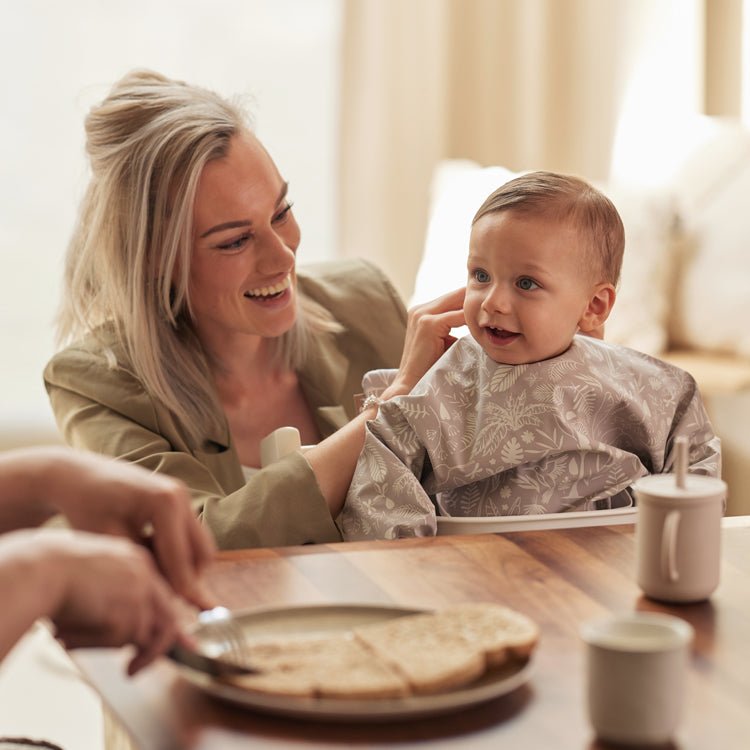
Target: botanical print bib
[(477, 438)]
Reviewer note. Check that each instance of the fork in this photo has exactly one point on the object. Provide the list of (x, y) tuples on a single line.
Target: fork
[(220, 630), (219, 627)]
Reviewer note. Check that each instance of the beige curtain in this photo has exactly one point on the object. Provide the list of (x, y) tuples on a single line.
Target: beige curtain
[(393, 128), (526, 84), (723, 59)]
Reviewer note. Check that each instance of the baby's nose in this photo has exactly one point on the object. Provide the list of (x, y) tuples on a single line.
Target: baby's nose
[(498, 299)]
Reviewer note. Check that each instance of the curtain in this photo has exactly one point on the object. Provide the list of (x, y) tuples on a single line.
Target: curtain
[(527, 84)]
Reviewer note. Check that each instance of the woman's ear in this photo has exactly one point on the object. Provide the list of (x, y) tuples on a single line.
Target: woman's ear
[(598, 309)]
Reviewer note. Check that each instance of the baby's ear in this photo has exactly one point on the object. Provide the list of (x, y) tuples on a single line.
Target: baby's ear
[(598, 309)]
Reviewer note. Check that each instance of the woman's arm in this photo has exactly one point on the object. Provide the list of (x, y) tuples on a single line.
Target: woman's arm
[(427, 338), (280, 505), (292, 502)]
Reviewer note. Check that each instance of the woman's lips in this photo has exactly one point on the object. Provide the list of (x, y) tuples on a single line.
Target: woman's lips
[(269, 292)]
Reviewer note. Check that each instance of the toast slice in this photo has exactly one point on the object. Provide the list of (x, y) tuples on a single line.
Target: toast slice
[(499, 631), (430, 661), (335, 666), (420, 654)]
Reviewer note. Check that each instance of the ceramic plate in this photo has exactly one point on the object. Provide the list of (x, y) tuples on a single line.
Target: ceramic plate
[(308, 620), (497, 524)]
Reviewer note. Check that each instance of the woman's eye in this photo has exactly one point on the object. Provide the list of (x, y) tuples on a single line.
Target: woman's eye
[(527, 284), (481, 276), (235, 244), (283, 215)]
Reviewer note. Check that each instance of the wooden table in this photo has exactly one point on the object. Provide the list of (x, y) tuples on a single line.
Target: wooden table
[(560, 578)]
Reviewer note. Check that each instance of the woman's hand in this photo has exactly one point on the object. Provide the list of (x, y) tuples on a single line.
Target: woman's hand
[(106, 496), (428, 336)]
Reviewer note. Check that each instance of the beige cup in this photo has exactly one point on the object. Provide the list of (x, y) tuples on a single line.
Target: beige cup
[(636, 668), (279, 443), (678, 536)]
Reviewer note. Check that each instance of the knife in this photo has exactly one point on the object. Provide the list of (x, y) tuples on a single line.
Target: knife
[(207, 664)]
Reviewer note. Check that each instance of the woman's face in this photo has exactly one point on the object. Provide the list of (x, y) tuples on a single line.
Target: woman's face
[(242, 278)]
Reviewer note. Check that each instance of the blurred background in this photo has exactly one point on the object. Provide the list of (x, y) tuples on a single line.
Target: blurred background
[(358, 101)]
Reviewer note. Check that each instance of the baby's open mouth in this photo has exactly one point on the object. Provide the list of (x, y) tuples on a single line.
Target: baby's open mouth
[(269, 292), (500, 333)]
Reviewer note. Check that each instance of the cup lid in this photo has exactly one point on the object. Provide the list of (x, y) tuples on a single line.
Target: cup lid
[(638, 632), (696, 485)]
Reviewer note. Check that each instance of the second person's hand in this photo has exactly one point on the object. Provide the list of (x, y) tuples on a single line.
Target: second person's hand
[(98, 591), (106, 496)]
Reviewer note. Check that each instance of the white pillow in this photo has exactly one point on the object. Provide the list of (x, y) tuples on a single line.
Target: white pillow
[(712, 299), (459, 187), (640, 314)]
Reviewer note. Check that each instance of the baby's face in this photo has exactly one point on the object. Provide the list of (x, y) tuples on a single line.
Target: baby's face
[(527, 287)]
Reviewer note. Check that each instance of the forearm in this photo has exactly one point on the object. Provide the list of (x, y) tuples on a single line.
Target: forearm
[(24, 502), (428, 335), (333, 460), (28, 585)]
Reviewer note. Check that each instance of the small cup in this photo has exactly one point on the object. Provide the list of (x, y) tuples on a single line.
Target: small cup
[(678, 536), (636, 666), (279, 443)]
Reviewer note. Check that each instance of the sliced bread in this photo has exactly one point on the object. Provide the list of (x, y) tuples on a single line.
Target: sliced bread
[(420, 654)]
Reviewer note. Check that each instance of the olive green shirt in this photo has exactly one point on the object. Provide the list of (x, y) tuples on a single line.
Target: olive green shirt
[(106, 409)]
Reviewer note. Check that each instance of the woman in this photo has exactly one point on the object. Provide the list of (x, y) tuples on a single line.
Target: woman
[(196, 336)]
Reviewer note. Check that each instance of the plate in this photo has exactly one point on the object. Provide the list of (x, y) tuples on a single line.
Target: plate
[(447, 525), (309, 620)]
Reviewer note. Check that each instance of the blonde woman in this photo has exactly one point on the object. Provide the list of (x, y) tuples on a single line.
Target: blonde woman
[(191, 335)]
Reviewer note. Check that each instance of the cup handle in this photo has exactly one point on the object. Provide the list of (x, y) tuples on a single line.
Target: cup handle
[(669, 546)]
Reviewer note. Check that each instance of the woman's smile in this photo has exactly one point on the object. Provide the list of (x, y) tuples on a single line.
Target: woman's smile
[(275, 291)]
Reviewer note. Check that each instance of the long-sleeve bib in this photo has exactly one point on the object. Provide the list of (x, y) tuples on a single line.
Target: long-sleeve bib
[(478, 438)]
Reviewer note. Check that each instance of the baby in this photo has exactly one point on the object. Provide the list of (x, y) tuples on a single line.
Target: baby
[(524, 415)]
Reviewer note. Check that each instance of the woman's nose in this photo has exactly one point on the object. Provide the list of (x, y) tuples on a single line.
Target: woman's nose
[(275, 255)]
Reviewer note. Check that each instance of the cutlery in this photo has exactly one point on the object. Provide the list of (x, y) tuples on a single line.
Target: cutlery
[(207, 664), (218, 627)]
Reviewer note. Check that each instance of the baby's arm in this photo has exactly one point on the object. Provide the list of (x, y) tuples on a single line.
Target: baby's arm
[(386, 499), (704, 455)]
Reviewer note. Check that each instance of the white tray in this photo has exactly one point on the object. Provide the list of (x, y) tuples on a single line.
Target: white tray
[(447, 525)]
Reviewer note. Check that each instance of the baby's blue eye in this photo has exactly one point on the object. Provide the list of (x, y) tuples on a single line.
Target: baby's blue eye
[(527, 284), (481, 276)]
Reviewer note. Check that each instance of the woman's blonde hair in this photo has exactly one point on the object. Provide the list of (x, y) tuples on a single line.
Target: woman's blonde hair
[(567, 198), (128, 261)]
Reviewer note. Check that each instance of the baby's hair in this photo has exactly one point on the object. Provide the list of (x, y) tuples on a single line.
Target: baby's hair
[(567, 198)]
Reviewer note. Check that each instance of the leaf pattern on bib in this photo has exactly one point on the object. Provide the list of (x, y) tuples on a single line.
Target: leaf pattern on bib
[(477, 438)]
